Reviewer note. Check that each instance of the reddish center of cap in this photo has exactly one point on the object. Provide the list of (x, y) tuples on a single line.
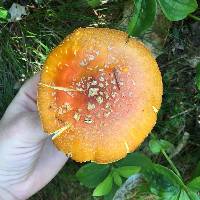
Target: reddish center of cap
[(100, 95)]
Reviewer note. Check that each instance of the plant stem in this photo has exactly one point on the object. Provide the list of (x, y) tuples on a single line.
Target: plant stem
[(194, 17), (176, 171), (171, 163)]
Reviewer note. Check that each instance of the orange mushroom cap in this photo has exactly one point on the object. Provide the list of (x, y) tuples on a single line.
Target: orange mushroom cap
[(99, 94)]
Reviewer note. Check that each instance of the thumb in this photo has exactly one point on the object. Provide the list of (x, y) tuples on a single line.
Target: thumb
[(31, 129), (23, 111), (25, 100)]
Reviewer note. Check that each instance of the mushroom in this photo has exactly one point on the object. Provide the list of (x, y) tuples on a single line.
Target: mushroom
[(99, 94)]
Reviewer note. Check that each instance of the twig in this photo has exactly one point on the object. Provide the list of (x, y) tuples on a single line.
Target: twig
[(173, 61), (181, 145), (181, 113)]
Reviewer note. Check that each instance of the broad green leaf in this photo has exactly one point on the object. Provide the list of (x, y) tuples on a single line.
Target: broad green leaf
[(198, 76), (194, 185), (176, 10), (92, 174), (170, 175), (161, 185), (172, 194), (193, 195), (111, 193), (104, 187), (179, 194), (155, 146), (143, 16), (136, 159), (3, 13), (128, 171), (184, 195), (116, 178)]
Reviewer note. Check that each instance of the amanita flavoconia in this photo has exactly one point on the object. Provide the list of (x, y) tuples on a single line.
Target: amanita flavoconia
[(99, 94)]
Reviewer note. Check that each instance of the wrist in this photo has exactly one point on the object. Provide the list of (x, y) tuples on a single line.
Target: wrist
[(6, 195)]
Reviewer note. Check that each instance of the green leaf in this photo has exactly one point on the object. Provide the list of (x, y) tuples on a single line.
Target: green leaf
[(161, 185), (193, 195), (111, 193), (136, 159), (94, 3), (171, 196), (172, 193), (155, 146), (194, 185), (128, 171), (176, 10), (143, 17), (184, 195), (92, 174), (104, 187), (170, 175), (3, 13), (166, 144), (116, 178), (197, 79), (175, 194), (168, 186)]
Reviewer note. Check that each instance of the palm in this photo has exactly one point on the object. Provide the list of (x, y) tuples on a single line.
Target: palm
[(29, 160)]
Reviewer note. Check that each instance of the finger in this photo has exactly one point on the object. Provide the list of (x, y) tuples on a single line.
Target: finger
[(25, 128), (50, 162), (34, 133), (27, 95), (25, 100), (48, 165)]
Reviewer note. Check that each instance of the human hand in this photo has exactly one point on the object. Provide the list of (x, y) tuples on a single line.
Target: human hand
[(28, 158)]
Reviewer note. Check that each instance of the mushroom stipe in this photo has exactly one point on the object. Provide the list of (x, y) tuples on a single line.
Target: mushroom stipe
[(99, 94)]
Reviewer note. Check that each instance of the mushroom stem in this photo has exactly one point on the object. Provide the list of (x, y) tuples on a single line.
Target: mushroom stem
[(60, 88)]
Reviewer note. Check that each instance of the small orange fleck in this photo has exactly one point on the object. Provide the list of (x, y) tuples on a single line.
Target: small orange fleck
[(124, 69)]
